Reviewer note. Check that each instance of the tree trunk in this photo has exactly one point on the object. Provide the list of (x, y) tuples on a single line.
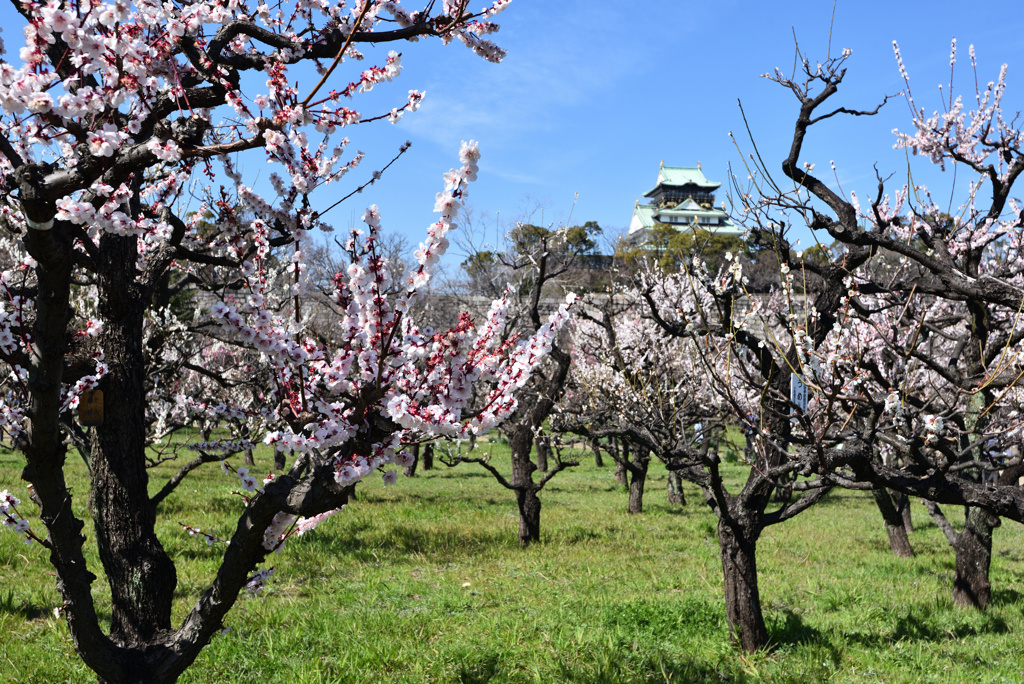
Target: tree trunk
[(637, 479), (278, 459), (520, 441), (598, 459), (141, 576), (902, 502), (543, 452), (973, 548), (676, 497), (971, 587), (636, 490), (248, 458), (620, 474), (742, 599), (410, 470), (529, 516), (428, 456), (899, 543)]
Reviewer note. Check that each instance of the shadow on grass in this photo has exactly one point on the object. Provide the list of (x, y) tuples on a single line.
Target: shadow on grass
[(483, 669), (610, 664), (451, 500), (369, 543), (574, 535), (928, 625), (1006, 597), (469, 474), (676, 510), (181, 502), (921, 628), (614, 666), (27, 611), (1010, 556), (787, 628)]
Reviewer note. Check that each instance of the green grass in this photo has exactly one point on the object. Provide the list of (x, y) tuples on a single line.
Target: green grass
[(424, 582)]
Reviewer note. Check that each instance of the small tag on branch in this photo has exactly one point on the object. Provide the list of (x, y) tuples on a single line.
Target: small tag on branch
[(798, 392), (90, 408)]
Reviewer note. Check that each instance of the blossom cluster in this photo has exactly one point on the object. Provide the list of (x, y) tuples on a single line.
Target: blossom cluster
[(423, 380), (12, 518), (70, 396), (256, 582)]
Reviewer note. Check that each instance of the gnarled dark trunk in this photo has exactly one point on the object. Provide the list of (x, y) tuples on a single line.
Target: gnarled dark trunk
[(279, 462), (902, 502), (742, 598), (971, 586), (638, 478), (529, 516), (899, 543), (620, 474), (428, 456), (520, 442), (598, 459), (973, 548), (141, 576)]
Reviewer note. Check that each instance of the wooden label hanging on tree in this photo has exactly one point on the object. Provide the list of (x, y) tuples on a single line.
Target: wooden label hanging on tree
[(90, 408)]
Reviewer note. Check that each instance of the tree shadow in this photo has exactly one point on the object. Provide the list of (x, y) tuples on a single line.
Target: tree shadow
[(25, 610), (449, 500), (924, 625), (618, 665), (787, 628), (403, 540), (1006, 597), (469, 473), (913, 627), (611, 664), (675, 510), (576, 535), (480, 670)]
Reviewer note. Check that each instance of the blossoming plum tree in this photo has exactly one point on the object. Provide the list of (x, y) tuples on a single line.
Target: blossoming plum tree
[(911, 365), (114, 115), (668, 365), (534, 264), (935, 311), (908, 345)]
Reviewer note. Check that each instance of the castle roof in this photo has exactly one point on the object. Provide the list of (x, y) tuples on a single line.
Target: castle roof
[(676, 206), (679, 176)]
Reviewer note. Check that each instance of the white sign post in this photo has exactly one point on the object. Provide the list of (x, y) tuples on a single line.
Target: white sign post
[(798, 392)]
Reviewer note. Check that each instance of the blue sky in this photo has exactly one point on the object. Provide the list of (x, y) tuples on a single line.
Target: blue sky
[(595, 94)]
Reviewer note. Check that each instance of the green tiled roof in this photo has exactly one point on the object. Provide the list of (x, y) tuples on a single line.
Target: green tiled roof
[(682, 175), (645, 212)]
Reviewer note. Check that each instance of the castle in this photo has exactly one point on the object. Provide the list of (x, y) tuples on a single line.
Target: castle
[(682, 198)]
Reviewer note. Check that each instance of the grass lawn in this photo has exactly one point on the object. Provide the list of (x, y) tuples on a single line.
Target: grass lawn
[(424, 582)]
